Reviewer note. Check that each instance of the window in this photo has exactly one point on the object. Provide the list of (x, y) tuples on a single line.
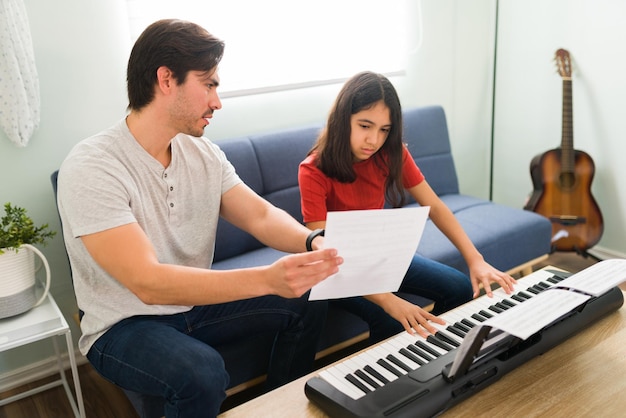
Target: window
[(286, 44)]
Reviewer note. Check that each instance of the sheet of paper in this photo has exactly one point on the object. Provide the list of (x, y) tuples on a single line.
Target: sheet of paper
[(537, 312), (598, 278), (377, 247)]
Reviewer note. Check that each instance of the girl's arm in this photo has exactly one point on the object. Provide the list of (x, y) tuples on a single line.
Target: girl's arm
[(481, 272)]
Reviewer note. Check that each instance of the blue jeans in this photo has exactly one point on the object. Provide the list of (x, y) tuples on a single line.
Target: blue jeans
[(445, 285), (173, 356)]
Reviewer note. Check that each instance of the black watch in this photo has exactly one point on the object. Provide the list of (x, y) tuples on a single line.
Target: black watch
[(312, 236)]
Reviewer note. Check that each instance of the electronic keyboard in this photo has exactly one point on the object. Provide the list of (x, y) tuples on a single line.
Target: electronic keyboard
[(408, 375)]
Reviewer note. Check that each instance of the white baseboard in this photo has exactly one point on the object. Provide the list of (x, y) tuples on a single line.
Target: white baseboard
[(605, 253), (38, 370)]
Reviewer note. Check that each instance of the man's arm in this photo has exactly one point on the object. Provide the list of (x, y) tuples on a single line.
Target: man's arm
[(126, 253), (274, 227)]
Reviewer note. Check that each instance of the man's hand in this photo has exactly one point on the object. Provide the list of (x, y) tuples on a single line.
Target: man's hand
[(295, 274)]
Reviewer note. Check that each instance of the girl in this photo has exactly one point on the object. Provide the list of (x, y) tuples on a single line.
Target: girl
[(359, 162)]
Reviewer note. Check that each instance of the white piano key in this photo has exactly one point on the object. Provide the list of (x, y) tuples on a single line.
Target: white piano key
[(381, 353), (410, 363), (362, 361), (353, 365), (370, 359), (340, 383)]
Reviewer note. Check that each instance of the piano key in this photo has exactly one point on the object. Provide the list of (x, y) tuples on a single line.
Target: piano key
[(369, 380), (448, 339), (456, 331), (496, 309), (420, 352), (372, 361), (414, 358), (518, 298), (406, 360), (356, 382), (437, 342), (390, 367), (375, 373), (467, 322), (352, 367), (508, 302), (429, 349), (485, 313), (341, 384), (479, 318), (502, 306), (406, 339), (463, 327), (395, 360)]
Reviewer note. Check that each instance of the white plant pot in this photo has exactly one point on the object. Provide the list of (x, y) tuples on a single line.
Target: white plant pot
[(17, 280)]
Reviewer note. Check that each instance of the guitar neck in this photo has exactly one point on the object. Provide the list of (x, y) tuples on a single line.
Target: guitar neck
[(567, 138)]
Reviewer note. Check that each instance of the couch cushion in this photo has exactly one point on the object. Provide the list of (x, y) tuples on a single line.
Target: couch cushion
[(232, 241), (279, 155), (505, 236), (426, 134)]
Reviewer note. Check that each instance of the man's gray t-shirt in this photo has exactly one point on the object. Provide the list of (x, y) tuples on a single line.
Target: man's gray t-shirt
[(109, 180)]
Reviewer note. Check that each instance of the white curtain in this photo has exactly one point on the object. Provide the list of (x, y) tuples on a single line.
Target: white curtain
[(19, 84)]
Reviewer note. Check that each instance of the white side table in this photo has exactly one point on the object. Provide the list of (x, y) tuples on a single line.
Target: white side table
[(41, 322)]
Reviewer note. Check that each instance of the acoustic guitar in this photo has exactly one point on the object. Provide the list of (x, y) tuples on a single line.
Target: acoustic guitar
[(562, 182)]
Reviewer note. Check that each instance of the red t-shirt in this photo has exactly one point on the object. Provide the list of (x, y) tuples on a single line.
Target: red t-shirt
[(321, 194)]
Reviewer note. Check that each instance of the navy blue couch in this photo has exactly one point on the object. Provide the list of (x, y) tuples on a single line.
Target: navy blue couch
[(509, 238)]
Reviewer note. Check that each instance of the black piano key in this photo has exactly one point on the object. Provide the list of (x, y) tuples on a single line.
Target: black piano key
[(467, 322), (356, 382), (436, 341), (502, 306), (421, 344), (508, 303), (518, 298), (420, 353), (485, 313), (365, 377), (393, 359), (525, 295), (543, 285), (454, 330), (496, 309), (479, 318), (406, 353), (463, 327), (553, 279), (447, 338), (383, 363), (533, 290), (372, 371)]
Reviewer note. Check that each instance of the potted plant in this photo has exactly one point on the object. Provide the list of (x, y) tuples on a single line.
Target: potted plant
[(18, 233)]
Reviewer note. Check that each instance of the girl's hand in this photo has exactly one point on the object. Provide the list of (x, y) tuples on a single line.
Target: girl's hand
[(414, 319), (483, 273)]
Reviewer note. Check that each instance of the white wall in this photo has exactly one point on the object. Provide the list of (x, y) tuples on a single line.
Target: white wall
[(529, 98), (81, 49)]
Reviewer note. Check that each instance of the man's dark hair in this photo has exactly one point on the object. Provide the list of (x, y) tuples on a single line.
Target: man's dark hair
[(178, 45)]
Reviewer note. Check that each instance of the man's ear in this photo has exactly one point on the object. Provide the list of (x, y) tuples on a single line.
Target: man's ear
[(165, 79)]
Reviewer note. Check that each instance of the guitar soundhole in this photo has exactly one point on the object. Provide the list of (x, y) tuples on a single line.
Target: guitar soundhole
[(567, 180)]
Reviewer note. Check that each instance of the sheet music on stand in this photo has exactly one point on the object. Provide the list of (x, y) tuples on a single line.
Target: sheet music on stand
[(500, 332)]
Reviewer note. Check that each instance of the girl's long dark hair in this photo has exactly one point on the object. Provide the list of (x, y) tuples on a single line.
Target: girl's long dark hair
[(334, 155)]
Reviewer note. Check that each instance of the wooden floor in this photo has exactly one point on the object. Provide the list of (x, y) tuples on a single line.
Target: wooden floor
[(103, 400)]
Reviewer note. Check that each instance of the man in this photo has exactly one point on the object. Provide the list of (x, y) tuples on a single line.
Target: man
[(140, 204)]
